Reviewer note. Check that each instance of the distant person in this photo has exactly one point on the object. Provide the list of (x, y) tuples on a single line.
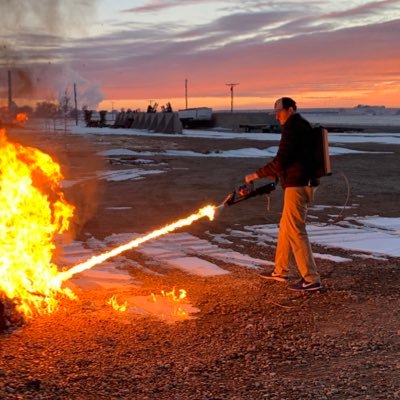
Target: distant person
[(168, 107), (293, 167)]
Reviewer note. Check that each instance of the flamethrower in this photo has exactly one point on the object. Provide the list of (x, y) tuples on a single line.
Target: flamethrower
[(244, 192), (247, 191)]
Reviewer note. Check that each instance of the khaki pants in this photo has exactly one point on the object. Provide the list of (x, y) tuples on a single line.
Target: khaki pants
[(292, 238)]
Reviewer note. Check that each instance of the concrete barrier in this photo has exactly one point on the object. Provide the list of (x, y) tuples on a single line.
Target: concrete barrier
[(119, 121), (136, 120), (172, 123), (154, 122), (129, 119), (159, 123)]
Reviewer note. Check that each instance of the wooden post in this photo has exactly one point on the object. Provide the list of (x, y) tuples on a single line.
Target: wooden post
[(10, 100), (186, 97), (76, 106)]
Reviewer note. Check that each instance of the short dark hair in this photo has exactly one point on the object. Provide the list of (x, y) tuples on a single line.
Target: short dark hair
[(284, 103)]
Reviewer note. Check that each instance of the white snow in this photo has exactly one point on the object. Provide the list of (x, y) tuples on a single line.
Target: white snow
[(383, 239), (126, 174), (249, 152)]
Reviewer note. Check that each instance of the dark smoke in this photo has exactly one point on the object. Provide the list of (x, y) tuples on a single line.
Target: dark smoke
[(32, 34), (52, 17)]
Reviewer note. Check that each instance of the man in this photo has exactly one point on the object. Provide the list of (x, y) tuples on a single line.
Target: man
[(292, 165)]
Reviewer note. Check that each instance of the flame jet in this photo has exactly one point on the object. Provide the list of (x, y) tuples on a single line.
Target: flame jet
[(207, 211)]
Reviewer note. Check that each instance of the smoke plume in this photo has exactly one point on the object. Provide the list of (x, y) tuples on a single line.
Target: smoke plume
[(33, 35)]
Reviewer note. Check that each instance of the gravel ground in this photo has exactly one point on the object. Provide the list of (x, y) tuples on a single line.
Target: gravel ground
[(251, 339)]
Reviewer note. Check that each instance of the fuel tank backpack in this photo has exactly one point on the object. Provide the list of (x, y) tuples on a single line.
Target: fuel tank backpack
[(321, 157)]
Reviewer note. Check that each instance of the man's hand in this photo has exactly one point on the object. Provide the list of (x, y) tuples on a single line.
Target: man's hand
[(251, 177)]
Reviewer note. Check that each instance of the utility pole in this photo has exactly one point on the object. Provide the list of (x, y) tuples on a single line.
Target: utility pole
[(231, 85), (186, 94), (10, 97), (76, 105)]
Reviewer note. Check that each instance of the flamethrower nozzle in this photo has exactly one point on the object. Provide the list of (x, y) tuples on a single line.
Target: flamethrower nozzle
[(218, 210)]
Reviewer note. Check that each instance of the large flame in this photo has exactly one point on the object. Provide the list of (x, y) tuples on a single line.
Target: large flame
[(33, 210)]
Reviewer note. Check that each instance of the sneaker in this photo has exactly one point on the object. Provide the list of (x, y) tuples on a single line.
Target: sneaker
[(274, 276), (303, 285)]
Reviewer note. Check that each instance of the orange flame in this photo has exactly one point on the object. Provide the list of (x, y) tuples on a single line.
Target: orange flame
[(33, 210), (207, 211), (112, 301), (171, 296), (174, 298), (180, 312), (21, 118)]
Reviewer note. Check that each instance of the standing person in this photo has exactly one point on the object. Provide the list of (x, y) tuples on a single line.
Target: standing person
[(292, 165)]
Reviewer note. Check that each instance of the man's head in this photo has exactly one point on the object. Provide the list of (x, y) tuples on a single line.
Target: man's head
[(284, 108)]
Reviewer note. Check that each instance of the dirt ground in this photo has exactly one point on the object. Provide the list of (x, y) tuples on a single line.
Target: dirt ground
[(251, 339)]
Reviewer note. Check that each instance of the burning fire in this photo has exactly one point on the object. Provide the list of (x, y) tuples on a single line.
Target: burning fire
[(21, 118), (33, 210), (172, 297), (112, 301)]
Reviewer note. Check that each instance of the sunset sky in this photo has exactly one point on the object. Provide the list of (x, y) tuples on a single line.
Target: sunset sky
[(121, 53)]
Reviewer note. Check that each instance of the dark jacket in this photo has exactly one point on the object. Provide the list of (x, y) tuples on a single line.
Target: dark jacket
[(293, 162)]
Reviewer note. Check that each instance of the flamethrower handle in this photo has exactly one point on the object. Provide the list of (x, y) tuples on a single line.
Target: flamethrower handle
[(247, 191)]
